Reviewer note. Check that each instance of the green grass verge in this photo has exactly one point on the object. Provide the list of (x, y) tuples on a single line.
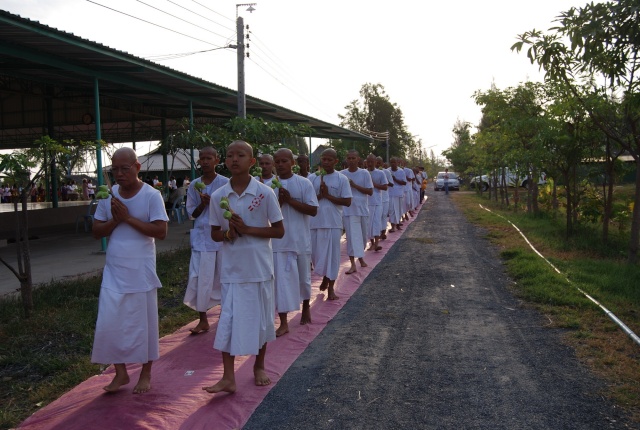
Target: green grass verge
[(43, 357), (585, 262)]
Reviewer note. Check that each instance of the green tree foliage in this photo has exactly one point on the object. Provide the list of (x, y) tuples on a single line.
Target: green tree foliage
[(513, 120), (461, 152), (375, 112), (596, 47)]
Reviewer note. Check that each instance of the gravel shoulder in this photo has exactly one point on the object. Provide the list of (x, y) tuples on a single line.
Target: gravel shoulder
[(434, 339)]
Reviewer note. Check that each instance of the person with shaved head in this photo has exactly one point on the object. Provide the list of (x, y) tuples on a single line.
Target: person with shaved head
[(333, 192), (133, 217)]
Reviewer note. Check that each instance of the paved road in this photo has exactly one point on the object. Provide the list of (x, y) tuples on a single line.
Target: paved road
[(433, 339)]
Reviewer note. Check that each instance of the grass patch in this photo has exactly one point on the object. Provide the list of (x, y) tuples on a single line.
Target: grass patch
[(586, 263), (47, 355)]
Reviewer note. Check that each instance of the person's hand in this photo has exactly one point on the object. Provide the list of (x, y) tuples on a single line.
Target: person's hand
[(236, 226), (283, 196), (324, 190), (119, 211), (205, 200)]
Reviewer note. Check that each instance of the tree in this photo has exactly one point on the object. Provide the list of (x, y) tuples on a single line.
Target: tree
[(460, 154), (597, 45), (17, 168), (513, 121), (375, 112)]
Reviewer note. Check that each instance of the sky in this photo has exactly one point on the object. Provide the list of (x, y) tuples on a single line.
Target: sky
[(314, 57)]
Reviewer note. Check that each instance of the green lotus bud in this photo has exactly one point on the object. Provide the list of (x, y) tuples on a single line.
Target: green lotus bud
[(227, 215), (224, 204), (200, 186)]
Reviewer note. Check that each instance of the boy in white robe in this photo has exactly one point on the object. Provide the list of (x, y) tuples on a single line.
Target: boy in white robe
[(384, 220), (127, 325), (265, 161), (298, 203), (356, 215), (246, 317), (396, 195), (203, 289), (408, 191), (333, 192), (379, 181)]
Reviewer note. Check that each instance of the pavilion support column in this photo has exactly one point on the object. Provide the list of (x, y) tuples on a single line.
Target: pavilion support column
[(165, 150), (96, 103), (193, 163)]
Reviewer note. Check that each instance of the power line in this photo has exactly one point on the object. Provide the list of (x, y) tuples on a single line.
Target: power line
[(202, 16), (180, 19), (154, 24), (211, 10)]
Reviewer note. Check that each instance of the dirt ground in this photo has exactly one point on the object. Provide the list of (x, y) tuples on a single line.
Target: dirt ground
[(434, 339)]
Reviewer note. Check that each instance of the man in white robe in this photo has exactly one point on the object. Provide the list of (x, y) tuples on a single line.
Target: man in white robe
[(127, 325)]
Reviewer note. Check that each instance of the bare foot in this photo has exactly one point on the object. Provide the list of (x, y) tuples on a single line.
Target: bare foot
[(332, 296), (261, 377), (363, 263), (283, 329), (117, 382), (305, 317), (351, 270), (222, 385), (378, 248), (324, 284), (143, 385), (393, 230), (200, 328)]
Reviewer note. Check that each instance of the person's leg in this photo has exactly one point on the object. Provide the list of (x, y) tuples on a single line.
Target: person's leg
[(331, 294), (305, 317), (284, 324), (353, 268), (144, 382), (228, 381), (259, 371), (121, 378)]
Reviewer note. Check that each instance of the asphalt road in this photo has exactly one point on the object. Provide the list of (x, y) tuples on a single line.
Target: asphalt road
[(434, 339)]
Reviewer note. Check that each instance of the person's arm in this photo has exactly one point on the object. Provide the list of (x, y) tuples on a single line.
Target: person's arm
[(237, 225), (363, 190), (156, 229), (284, 197), (382, 187), (205, 200), (398, 181)]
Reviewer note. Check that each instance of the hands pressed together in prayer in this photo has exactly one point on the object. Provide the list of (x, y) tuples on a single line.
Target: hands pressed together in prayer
[(119, 211)]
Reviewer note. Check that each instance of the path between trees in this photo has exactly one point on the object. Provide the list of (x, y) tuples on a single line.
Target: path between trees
[(435, 339)]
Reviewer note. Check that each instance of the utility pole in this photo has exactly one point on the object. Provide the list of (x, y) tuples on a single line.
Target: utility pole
[(242, 99)]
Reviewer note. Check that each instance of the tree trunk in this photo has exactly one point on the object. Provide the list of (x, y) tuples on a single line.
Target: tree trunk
[(24, 254), (567, 187)]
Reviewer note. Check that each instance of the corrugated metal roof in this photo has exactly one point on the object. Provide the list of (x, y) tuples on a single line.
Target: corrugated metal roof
[(47, 79)]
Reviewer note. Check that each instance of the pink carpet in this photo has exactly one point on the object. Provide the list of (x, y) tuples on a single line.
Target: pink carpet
[(188, 363)]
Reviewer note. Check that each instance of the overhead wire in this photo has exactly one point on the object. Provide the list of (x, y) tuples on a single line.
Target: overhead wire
[(201, 16), (152, 23), (180, 19), (264, 63), (289, 76)]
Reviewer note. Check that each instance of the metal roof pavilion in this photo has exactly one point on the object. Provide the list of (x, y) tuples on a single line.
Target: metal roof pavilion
[(50, 79)]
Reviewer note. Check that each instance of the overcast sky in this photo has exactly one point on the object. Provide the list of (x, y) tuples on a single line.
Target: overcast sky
[(313, 57)]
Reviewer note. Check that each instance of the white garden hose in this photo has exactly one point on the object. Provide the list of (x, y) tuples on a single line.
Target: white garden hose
[(610, 314)]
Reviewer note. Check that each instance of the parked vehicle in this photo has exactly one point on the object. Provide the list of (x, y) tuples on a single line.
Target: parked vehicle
[(454, 182), (486, 181)]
